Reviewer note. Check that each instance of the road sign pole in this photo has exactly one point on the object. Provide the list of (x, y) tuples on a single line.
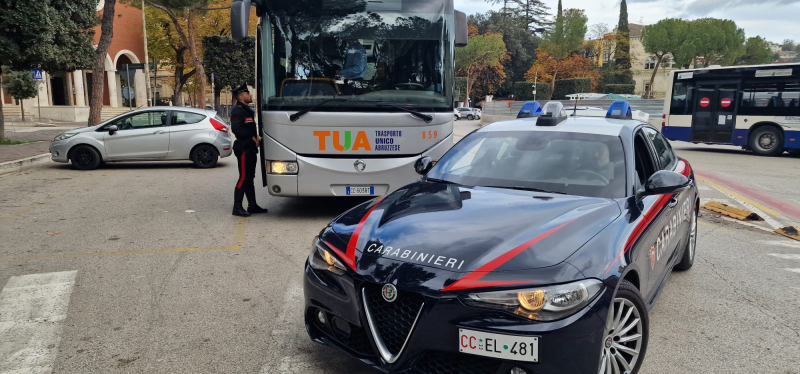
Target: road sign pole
[(128, 89)]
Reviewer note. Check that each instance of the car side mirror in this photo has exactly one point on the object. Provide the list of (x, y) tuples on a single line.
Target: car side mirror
[(423, 165), (665, 182), (112, 129)]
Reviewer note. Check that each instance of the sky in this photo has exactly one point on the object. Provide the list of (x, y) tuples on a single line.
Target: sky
[(774, 20)]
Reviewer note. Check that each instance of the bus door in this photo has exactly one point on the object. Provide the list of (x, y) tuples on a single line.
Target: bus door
[(714, 116)]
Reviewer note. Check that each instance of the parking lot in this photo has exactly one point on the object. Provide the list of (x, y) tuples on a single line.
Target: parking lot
[(139, 267)]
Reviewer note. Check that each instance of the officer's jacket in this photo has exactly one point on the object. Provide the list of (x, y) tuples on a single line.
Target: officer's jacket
[(243, 125)]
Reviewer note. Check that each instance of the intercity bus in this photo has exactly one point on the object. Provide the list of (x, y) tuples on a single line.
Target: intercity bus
[(755, 107), (351, 93)]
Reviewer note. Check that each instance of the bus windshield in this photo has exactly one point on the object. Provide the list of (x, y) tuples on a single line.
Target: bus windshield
[(392, 51)]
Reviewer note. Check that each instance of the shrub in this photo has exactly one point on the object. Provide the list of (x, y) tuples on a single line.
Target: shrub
[(619, 89), (523, 91), (566, 87)]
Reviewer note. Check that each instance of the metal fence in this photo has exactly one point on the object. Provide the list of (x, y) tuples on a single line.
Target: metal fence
[(502, 110)]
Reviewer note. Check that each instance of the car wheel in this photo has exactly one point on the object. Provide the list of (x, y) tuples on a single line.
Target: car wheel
[(766, 141), (85, 157), (455, 117), (470, 117), (627, 330), (691, 246), (205, 156)]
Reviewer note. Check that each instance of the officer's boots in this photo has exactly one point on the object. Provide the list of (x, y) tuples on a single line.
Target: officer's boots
[(238, 210), (252, 207)]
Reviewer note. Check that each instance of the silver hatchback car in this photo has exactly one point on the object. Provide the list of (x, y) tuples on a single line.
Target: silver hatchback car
[(147, 134)]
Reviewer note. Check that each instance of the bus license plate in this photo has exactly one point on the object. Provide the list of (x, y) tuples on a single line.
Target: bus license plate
[(509, 347), (360, 190)]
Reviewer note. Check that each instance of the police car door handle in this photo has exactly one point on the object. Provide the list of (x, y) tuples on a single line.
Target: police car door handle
[(158, 132), (673, 202)]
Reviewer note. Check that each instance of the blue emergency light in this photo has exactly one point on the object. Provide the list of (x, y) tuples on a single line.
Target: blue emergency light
[(530, 109), (619, 110)]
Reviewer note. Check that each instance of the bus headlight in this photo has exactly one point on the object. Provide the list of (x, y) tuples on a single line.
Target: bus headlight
[(283, 167)]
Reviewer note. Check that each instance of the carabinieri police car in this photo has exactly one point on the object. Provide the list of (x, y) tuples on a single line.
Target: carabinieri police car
[(534, 245)]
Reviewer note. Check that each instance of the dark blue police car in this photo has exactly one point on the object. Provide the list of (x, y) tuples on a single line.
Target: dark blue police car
[(534, 245)]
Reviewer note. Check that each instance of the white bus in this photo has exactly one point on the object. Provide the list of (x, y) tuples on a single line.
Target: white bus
[(352, 92), (755, 107)]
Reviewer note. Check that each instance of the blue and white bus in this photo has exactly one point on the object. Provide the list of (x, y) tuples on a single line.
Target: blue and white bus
[(755, 107)]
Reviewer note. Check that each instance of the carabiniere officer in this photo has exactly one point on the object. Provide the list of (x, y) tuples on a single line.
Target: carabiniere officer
[(245, 147)]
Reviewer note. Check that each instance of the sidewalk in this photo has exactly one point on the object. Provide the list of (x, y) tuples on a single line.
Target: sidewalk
[(40, 135)]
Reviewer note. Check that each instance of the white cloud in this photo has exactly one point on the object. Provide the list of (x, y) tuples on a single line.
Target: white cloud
[(774, 20)]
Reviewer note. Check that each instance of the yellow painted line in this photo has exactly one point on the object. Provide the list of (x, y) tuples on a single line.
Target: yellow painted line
[(240, 231), (740, 197), (118, 253), (701, 223)]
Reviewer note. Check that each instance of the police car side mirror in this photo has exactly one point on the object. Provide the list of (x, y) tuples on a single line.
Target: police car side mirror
[(423, 165), (112, 129), (666, 182)]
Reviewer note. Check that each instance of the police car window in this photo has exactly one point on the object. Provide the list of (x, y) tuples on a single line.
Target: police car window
[(186, 118), (644, 160), (663, 150), (571, 163)]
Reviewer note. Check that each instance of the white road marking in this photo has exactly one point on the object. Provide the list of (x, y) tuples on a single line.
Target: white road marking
[(32, 308), (782, 243), (748, 224), (704, 201), (767, 218), (288, 334), (704, 188), (793, 270), (786, 256)]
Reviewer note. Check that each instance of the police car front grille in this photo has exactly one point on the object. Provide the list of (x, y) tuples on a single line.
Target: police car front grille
[(435, 362), (394, 320)]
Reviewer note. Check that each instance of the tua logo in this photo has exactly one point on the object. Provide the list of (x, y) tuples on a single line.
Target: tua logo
[(361, 141)]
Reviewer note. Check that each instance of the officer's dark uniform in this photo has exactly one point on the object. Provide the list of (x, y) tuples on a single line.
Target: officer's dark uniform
[(244, 127)]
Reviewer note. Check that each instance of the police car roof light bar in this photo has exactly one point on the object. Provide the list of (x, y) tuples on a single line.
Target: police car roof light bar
[(619, 110), (530, 109), (553, 114)]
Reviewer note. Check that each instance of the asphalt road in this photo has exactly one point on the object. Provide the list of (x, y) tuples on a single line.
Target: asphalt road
[(153, 274)]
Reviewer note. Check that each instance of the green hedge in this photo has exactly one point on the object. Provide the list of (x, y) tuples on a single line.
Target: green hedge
[(460, 89), (619, 89), (523, 91), (566, 87)]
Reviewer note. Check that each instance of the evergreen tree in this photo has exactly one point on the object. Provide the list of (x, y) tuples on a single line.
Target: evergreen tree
[(622, 51)]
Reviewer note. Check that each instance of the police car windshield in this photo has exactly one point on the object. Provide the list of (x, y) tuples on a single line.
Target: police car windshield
[(562, 162), (392, 51)]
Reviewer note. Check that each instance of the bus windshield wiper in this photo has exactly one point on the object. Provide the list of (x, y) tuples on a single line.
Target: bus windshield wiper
[(296, 116), (439, 180), (521, 188), (414, 113)]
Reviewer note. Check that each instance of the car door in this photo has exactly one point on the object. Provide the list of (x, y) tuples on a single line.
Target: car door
[(675, 220), (144, 135), (183, 130)]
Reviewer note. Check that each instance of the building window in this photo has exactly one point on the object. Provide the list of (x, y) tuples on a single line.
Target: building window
[(606, 56), (649, 65)]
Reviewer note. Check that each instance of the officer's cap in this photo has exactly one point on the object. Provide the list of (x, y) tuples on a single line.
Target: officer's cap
[(243, 88)]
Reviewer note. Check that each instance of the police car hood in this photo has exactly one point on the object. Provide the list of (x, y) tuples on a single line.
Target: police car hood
[(455, 229)]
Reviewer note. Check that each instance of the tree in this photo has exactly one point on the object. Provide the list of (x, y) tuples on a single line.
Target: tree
[(534, 14), (51, 35), (566, 37), (788, 45), (230, 60), (572, 67), (718, 41), (622, 49), (481, 52), (520, 43), (98, 68), (22, 86), (756, 51), (661, 40), (598, 31)]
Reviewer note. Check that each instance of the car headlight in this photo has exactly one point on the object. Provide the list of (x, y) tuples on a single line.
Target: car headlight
[(64, 136), (322, 259), (283, 167), (548, 303)]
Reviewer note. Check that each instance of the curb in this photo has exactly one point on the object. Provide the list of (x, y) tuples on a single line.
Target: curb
[(28, 162)]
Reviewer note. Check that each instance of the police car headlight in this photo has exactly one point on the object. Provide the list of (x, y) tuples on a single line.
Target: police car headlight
[(283, 167), (548, 303), (321, 258), (64, 136)]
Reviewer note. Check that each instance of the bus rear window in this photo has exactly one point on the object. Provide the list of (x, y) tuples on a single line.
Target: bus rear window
[(681, 98)]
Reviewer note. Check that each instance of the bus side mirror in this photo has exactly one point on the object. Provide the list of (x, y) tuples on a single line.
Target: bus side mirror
[(240, 18), (462, 29), (423, 165)]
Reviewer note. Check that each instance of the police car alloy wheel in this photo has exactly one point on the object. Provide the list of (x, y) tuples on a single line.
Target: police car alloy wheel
[(625, 340)]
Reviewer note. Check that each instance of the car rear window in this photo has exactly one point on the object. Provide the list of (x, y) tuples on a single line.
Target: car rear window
[(186, 118)]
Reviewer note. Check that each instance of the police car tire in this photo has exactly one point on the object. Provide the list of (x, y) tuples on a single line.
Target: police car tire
[(85, 157), (629, 292), (757, 149), (687, 260)]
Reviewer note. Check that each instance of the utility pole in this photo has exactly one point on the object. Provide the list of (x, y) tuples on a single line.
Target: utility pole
[(149, 93)]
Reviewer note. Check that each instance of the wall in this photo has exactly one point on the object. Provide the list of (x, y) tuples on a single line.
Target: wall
[(127, 32), (642, 76)]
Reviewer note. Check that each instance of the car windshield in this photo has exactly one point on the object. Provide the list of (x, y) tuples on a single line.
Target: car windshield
[(368, 51), (560, 162)]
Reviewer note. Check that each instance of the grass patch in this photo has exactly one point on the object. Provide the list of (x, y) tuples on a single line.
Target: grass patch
[(13, 142)]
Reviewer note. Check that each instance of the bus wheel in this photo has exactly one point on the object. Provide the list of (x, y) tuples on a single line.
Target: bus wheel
[(766, 141)]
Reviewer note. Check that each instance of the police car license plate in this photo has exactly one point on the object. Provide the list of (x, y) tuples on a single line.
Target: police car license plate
[(509, 347), (360, 190)]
